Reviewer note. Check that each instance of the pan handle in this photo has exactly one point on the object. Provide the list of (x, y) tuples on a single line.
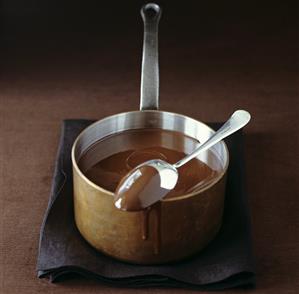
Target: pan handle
[(149, 90)]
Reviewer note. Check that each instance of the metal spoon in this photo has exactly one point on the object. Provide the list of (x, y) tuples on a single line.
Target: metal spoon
[(150, 181)]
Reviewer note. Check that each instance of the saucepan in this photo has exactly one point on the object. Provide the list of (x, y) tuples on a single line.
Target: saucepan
[(183, 225)]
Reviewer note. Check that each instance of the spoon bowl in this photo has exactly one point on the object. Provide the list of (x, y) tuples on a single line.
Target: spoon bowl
[(154, 177)]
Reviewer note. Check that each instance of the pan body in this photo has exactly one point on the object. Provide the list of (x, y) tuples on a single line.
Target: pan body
[(175, 228)]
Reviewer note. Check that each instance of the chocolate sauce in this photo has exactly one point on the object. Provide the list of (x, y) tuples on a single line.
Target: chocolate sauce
[(145, 222), (109, 160)]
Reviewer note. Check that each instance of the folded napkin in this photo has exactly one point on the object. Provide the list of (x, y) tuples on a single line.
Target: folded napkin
[(225, 263)]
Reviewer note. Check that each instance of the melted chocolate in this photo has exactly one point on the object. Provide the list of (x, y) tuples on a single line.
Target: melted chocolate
[(144, 221), (108, 161)]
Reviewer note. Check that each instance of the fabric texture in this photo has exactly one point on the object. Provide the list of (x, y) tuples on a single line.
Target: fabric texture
[(225, 263)]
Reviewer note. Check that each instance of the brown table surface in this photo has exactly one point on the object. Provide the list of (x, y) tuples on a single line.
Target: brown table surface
[(206, 79)]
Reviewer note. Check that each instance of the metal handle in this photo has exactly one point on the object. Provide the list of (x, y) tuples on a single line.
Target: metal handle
[(149, 91), (237, 121)]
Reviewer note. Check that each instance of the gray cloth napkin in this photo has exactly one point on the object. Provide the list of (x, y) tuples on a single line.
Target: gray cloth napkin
[(225, 263)]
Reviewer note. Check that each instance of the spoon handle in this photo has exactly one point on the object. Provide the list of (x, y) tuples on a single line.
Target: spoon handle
[(149, 90), (238, 120)]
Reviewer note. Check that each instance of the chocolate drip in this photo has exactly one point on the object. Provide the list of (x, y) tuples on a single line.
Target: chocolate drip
[(145, 222), (155, 211)]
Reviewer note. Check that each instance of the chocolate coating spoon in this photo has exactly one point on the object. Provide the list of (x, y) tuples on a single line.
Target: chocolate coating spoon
[(150, 181)]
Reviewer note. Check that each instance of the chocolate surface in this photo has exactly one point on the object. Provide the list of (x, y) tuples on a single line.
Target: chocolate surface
[(109, 160)]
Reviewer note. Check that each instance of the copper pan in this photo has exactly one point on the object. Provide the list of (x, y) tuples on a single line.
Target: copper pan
[(175, 228)]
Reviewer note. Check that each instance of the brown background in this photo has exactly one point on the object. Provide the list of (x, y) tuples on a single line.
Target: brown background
[(83, 61)]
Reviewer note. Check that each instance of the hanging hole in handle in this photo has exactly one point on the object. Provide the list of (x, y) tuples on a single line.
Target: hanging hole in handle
[(150, 11)]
